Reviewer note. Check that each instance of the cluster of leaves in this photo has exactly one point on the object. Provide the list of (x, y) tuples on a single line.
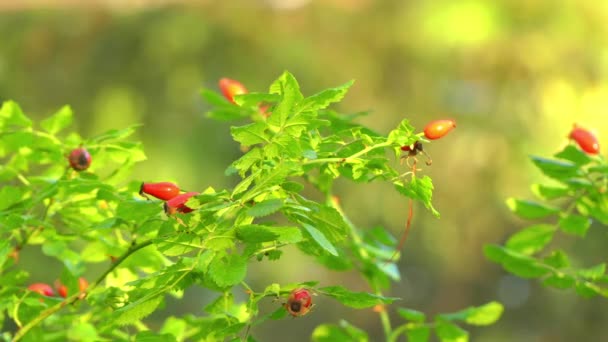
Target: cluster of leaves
[(97, 217), (577, 195)]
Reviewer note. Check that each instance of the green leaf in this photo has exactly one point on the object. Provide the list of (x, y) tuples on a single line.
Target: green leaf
[(557, 259), (417, 332), (113, 134), (560, 281), (266, 207), (575, 224), (549, 192), (556, 169), (531, 239), (333, 333), (10, 195), (83, 331), (529, 209), (450, 332), (254, 99), (592, 273), (150, 336), (12, 115), (485, 314), (357, 300), (137, 211), (251, 134), (324, 98), (586, 289), (287, 86), (320, 239), (420, 189), (227, 270), (516, 263), (260, 233), (58, 121), (402, 135), (135, 311), (411, 315), (574, 154)]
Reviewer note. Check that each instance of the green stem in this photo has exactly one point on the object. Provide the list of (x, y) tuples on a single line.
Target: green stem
[(75, 297), (350, 159)]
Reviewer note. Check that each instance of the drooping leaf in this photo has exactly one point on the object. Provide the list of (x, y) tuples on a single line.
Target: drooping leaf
[(262, 233), (420, 189), (557, 169), (136, 311)]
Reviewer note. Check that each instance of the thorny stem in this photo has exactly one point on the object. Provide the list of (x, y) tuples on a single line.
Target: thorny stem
[(75, 297)]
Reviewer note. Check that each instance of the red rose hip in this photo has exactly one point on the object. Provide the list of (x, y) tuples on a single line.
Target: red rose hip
[(585, 139), (299, 302), (230, 88), (438, 128), (42, 288), (162, 190), (178, 204), (80, 159)]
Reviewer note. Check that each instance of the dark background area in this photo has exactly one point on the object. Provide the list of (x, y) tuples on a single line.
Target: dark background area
[(514, 74)]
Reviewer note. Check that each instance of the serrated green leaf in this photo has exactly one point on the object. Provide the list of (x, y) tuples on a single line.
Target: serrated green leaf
[(131, 313), (58, 121), (12, 115), (556, 169), (529, 209), (320, 239), (251, 134), (417, 332), (516, 263), (549, 192), (560, 281), (11, 195), (592, 273), (357, 300), (221, 304), (402, 135), (531, 239), (287, 86), (260, 233), (137, 211), (575, 224), (420, 189), (449, 332), (324, 98), (266, 207), (227, 270), (411, 315)]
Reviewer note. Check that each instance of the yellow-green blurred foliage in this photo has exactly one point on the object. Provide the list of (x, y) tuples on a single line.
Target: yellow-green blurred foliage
[(515, 74)]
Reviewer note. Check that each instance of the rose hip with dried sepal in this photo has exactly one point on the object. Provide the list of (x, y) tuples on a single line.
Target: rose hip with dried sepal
[(80, 159), (230, 88), (299, 302), (178, 203), (585, 139), (161, 190), (438, 128)]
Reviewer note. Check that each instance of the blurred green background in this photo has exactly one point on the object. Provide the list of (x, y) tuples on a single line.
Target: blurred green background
[(515, 74)]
